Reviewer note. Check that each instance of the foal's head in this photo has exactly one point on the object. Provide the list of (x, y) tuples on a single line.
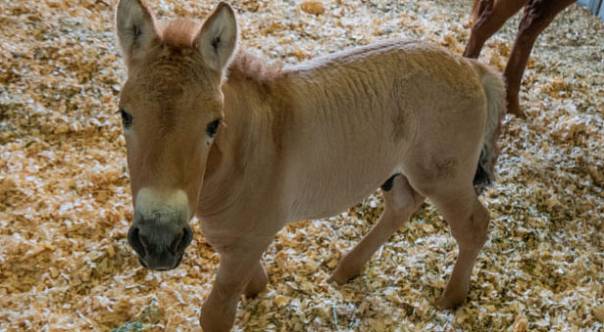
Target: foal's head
[(171, 108)]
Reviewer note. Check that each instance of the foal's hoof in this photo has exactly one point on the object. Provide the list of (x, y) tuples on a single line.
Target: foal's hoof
[(450, 302), (255, 287), (340, 280), (252, 292), (342, 275)]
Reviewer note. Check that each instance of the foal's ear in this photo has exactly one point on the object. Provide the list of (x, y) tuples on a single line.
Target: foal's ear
[(217, 39), (135, 28)]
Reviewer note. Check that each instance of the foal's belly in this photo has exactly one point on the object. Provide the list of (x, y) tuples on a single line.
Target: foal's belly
[(334, 185), (324, 207)]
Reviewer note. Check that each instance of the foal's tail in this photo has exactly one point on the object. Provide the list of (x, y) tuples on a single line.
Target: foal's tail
[(494, 88)]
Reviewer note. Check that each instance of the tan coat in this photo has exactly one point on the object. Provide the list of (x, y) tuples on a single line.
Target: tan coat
[(300, 142)]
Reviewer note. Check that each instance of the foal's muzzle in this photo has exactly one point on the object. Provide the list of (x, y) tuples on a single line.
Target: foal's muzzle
[(160, 246), (160, 231)]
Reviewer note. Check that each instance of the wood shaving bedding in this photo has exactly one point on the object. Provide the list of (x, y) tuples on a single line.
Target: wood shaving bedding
[(65, 201)]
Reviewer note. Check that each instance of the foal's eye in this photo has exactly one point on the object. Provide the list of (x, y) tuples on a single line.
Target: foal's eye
[(213, 127), (126, 118)]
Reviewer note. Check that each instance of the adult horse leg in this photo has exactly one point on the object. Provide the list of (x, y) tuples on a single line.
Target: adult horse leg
[(401, 201), (490, 15), (537, 16)]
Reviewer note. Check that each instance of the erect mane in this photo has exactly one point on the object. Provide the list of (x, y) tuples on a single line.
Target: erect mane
[(180, 33), (248, 66)]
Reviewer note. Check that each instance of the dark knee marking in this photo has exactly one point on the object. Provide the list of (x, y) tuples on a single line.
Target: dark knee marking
[(480, 228), (387, 186)]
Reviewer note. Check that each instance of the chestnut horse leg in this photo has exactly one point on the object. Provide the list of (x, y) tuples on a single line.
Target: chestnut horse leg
[(490, 15), (537, 16), (401, 201)]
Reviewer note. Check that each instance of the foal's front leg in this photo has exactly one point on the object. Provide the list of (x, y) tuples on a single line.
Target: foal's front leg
[(257, 282), (238, 272)]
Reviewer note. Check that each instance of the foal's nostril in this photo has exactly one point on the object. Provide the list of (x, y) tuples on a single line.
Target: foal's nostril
[(143, 263), (144, 242), (176, 243), (182, 241), (187, 237), (135, 241)]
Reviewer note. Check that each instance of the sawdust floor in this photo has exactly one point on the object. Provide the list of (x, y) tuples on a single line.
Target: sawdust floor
[(65, 202)]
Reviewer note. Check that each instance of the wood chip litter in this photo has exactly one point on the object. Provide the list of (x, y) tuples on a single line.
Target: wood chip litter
[(65, 203)]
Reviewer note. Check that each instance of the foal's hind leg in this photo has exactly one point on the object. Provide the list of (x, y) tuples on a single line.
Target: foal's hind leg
[(401, 201), (469, 221)]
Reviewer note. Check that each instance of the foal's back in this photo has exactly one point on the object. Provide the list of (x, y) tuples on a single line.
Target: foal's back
[(358, 114)]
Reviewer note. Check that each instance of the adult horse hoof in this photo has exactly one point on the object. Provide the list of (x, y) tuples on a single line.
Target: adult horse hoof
[(514, 108)]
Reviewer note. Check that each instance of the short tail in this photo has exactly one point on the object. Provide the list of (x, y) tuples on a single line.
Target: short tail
[(494, 88)]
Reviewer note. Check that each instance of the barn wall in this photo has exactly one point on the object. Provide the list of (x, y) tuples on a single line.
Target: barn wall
[(595, 6)]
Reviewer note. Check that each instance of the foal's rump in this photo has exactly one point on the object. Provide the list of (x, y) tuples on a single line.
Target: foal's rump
[(459, 109)]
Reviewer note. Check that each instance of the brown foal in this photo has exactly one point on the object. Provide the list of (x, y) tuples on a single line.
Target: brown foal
[(212, 131)]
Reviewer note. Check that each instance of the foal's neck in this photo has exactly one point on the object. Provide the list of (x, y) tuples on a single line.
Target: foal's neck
[(245, 148)]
